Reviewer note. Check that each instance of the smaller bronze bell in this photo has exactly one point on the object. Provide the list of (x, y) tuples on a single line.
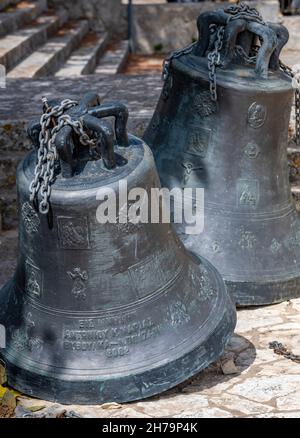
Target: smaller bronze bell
[(221, 124), (101, 312)]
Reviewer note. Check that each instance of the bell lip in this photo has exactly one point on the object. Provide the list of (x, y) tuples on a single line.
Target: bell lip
[(193, 360), (255, 294), (261, 291), (196, 68), (247, 293), (74, 394)]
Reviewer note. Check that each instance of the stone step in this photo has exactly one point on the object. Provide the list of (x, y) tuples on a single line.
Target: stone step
[(85, 59), (114, 59), (16, 46), (16, 16), (48, 58)]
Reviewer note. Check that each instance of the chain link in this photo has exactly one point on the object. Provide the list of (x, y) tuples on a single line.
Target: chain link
[(174, 55), (51, 123), (214, 60), (240, 11), (235, 12), (242, 54), (214, 57), (281, 350), (296, 83)]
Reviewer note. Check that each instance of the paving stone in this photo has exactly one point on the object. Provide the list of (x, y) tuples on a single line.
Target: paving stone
[(205, 413), (291, 326), (279, 368), (239, 405), (264, 389), (247, 325), (293, 414), (289, 403), (173, 406)]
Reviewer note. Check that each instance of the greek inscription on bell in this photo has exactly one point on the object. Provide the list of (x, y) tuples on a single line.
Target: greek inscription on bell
[(30, 218), (73, 232), (247, 192), (257, 114), (33, 280), (198, 142), (114, 340)]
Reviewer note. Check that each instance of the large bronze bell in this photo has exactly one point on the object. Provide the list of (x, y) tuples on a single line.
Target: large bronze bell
[(221, 123), (101, 312)]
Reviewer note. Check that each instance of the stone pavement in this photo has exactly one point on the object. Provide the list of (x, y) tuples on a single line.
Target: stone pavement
[(259, 383)]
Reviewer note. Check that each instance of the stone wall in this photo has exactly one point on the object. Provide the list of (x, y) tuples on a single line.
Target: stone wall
[(155, 26), (110, 15), (166, 27)]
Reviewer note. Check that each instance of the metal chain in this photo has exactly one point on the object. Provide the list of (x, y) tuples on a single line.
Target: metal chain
[(214, 57), (174, 55), (242, 54), (51, 123), (214, 60), (244, 11), (281, 350), (296, 82), (297, 112)]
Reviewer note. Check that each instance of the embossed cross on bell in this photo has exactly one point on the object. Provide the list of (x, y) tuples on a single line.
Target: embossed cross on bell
[(221, 123), (101, 312)]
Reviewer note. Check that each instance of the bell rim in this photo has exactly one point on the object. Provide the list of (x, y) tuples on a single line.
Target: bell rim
[(220, 301), (218, 338), (227, 321), (265, 293)]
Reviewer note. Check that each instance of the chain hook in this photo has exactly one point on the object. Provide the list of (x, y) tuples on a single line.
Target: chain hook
[(52, 120)]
